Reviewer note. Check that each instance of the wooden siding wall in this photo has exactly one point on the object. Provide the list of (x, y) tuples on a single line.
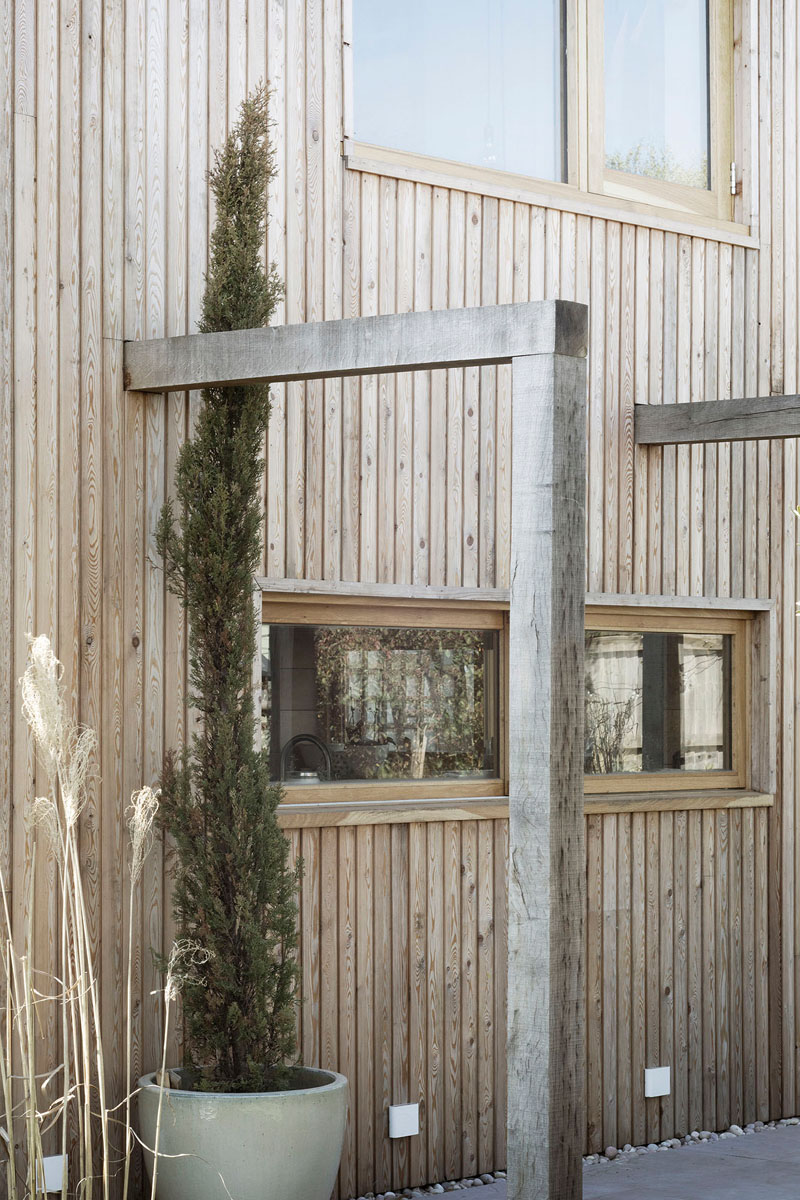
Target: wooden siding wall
[(109, 111), (404, 963)]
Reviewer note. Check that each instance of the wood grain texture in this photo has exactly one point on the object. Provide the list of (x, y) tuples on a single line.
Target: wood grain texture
[(594, 984), (546, 883), (401, 989), (361, 346), (485, 996), (469, 998), (741, 419), (365, 1011), (383, 1005)]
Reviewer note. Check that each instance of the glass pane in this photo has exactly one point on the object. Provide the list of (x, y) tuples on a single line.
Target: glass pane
[(657, 702), (656, 89), (613, 703), (704, 667), (356, 702), (475, 81)]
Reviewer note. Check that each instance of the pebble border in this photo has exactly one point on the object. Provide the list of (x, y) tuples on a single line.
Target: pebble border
[(436, 1189), (695, 1138)]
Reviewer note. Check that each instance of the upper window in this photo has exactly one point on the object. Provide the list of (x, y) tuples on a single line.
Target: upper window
[(630, 98), (665, 701), (403, 698), (656, 89), (660, 113), (461, 80)]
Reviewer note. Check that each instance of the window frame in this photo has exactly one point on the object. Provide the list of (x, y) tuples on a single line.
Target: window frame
[(716, 201), (643, 620), (394, 801), (589, 188), (762, 732), (359, 606)]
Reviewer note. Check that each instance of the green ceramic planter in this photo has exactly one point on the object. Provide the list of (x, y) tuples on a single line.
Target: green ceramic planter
[(252, 1146)]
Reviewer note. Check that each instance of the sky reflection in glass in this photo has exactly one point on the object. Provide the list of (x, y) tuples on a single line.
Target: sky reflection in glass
[(474, 81)]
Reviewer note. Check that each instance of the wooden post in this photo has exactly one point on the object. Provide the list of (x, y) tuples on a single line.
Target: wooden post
[(546, 1119)]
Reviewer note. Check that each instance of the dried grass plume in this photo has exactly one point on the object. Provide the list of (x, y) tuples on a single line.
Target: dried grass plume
[(141, 815), (66, 750)]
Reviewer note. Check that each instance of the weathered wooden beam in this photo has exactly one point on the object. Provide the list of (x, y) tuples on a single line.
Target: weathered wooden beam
[(386, 591), (358, 346), (546, 1115), (717, 421)]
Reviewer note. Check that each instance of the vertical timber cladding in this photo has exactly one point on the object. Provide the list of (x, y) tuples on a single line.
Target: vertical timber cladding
[(109, 118)]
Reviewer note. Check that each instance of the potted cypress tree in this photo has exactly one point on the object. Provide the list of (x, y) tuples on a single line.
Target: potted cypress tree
[(244, 1121)]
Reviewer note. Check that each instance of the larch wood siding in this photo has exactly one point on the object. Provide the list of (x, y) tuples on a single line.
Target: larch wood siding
[(109, 113)]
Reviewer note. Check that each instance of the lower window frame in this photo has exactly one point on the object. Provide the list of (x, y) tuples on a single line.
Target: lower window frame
[(409, 800), (752, 780), (358, 604)]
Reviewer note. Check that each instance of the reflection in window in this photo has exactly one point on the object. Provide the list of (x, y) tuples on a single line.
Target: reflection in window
[(657, 702), (656, 89), (360, 702), (476, 81)]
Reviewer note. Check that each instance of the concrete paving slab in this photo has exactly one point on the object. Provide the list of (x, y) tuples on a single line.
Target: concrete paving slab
[(758, 1166), (765, 1164)]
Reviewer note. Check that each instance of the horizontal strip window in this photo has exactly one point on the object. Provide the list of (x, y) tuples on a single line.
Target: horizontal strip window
[(378, 698)]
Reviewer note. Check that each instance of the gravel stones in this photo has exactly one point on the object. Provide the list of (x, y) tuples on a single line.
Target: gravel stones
[(695, 1138), (437, 1189)]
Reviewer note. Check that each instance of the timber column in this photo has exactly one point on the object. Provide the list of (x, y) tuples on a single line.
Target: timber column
[(546, 1113)]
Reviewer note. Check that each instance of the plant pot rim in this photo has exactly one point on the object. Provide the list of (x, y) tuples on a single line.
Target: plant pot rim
[(334, 1081)]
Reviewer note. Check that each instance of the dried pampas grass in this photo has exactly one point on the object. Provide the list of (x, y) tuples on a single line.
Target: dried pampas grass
[(67, 753)]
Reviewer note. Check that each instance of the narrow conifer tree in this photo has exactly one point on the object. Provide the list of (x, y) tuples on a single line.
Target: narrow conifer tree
[(234, 886)]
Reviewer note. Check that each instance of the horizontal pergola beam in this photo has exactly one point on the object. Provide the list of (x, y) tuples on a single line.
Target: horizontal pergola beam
[(717, 421), (468, 337), (420, 593)]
